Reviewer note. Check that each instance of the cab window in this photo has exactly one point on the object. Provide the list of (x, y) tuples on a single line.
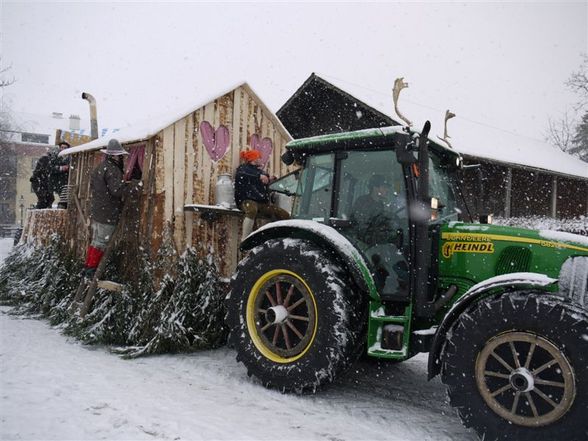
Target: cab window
[(371, 197), (315, 189)]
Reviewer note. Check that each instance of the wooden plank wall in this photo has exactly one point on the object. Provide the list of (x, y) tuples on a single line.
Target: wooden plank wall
[(186, 174), (78, 230), (40, 225)]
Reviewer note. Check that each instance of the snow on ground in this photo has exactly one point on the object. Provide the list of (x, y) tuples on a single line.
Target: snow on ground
[(5, 247), (54, 388)]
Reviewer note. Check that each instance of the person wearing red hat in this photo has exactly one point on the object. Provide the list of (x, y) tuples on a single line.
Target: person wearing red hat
[(252, 192)]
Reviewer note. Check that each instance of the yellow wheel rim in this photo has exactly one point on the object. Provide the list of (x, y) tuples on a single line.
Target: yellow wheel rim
[(281, 316)]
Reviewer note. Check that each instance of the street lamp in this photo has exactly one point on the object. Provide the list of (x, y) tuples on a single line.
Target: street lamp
[(22, 205)]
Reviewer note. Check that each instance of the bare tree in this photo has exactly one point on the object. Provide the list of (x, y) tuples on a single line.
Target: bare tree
[(579, 146), (564, 133), (5, 81), (560, 132), (6, 122), (578, 82)]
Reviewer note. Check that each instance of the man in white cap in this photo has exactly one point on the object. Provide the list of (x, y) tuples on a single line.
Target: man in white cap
[(107, 189)]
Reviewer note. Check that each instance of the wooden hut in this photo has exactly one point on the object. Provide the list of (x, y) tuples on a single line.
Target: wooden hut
[(178, 162)]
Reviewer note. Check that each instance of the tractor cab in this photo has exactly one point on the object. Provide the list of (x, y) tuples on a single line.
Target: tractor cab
[(368, 192)]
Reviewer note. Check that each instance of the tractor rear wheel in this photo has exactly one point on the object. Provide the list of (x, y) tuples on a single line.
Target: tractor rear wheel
[(294, 317), (516, 367), (573, 280)]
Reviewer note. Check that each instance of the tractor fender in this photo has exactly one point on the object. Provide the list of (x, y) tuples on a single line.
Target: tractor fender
[(324, 236), (494, 285)]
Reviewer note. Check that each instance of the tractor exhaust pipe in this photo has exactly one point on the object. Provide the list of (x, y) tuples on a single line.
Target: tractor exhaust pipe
[(93, 114), (424, 306)]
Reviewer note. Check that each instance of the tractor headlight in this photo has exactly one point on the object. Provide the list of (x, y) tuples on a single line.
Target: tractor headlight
[(434, 209)]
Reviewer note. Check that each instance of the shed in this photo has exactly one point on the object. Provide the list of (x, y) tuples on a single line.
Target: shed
[(179, 160), (518, 176)]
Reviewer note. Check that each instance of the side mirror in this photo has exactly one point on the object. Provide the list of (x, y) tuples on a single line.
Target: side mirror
[(288, 158), (405, 153)]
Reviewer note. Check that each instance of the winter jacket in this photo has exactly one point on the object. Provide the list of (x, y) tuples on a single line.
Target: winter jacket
[(40, 183), (40, 178), (248, 186), (58, 177), (107, 189)]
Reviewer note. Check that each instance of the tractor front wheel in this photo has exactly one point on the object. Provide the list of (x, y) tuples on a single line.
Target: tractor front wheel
[(516, 367), (294, 318)]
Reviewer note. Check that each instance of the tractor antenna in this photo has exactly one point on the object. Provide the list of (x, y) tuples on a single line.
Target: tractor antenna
[(399, 84)]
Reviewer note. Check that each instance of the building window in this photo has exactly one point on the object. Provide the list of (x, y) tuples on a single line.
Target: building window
[(35, 137)]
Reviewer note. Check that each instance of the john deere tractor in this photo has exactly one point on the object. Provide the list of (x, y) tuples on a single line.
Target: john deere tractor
[(376, 261)]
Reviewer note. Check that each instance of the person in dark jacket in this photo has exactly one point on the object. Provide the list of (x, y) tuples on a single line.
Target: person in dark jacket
[(59, 166), (252, 192), (40, 183), (107, 189), (372, 215)]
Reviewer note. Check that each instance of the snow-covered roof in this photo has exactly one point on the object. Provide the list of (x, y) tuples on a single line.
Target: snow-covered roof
[(149, 128), (470, 138)]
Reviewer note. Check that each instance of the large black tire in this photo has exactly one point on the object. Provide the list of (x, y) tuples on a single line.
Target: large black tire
[(573, 280), (315, 297), (506, 399)]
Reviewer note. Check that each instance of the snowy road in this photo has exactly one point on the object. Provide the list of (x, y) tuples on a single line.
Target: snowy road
[(54, 388)]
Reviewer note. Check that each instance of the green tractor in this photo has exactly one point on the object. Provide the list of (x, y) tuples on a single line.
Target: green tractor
[(375, 261)]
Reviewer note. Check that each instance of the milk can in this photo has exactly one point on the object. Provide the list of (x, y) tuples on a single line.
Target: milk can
[(224, 191)]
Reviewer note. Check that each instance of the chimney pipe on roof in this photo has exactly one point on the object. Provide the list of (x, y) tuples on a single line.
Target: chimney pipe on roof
[(93, 114)]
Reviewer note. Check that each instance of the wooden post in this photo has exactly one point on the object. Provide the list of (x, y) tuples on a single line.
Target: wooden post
[(74, 196), (508, 198), (554, 197)]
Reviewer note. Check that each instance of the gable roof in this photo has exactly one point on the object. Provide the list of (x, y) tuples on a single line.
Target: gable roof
[(146, 129), (306, 95), (467, 137)]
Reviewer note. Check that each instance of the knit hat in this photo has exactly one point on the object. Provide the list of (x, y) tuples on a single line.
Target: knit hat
[(250, 155), (114, 148)]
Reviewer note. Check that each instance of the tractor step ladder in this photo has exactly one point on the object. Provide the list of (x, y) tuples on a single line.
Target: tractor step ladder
[(109, 285), (393, 334)]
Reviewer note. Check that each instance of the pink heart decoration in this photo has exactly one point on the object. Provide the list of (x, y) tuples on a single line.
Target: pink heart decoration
[(215, 142), (265, 146)]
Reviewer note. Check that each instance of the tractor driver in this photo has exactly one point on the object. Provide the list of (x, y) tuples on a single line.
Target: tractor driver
[(375, 226)]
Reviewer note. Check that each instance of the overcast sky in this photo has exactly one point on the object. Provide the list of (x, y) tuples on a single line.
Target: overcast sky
[(500, 63)]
